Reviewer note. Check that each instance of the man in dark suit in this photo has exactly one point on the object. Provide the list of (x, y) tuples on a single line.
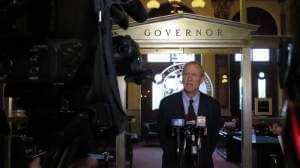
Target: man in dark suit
[(177, 106)]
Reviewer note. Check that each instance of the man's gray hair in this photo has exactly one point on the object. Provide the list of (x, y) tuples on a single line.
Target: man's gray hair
[(194, 63)]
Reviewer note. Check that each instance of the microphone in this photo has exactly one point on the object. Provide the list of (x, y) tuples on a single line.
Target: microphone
[(201, 125), (189, 129), (135, 9), (190, 136), (201, 122), (177, 123), (190, 123)]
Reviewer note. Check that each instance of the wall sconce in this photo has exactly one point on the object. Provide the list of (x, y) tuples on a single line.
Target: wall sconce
[(224, 79), (156, 4)]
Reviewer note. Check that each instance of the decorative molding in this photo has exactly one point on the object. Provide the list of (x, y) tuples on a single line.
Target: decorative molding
[(188, 31), (222, 8)]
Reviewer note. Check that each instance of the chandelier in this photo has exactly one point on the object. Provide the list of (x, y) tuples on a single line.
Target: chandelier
[(156, 4)]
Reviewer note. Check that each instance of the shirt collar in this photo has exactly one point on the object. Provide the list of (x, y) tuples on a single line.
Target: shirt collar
[(187, 98)]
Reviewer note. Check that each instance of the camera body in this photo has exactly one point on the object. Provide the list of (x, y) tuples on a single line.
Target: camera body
[(50, 62)]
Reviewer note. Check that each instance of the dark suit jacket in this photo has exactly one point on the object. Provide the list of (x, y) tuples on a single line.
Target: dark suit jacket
[(172, 107)]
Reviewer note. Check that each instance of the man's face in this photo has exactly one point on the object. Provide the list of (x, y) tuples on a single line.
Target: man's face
[(192, 78)]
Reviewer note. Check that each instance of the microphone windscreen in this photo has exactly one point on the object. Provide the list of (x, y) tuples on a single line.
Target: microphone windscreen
[(177, 122), (135, 9), (201, 121), (190, 122)]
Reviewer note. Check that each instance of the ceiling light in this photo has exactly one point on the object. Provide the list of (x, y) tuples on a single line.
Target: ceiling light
[(198, 3), (153, 4), (176, 1), (156, 4)]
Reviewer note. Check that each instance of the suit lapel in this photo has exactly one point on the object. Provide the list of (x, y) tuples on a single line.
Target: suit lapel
[(202, 110), (180, 108)]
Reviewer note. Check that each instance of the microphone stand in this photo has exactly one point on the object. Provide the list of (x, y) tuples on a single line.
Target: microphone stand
[(183, 150), (178, 146), (199, 145), (201, 125), (194, 151), (177, 123), (190, 148)]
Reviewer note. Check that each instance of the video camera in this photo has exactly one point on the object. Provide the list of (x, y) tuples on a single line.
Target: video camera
[(127, 58), (61, 65)]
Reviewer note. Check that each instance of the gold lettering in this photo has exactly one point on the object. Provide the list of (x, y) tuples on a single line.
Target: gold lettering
[(147, 32), (188, 32), (178, 32), (209, 32), (198, 32), (219, 32), (157, 32), (168, 31), (184, 32)]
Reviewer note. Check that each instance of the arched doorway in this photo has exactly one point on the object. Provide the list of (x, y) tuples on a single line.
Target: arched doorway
[(258, 16), (267, 26)]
